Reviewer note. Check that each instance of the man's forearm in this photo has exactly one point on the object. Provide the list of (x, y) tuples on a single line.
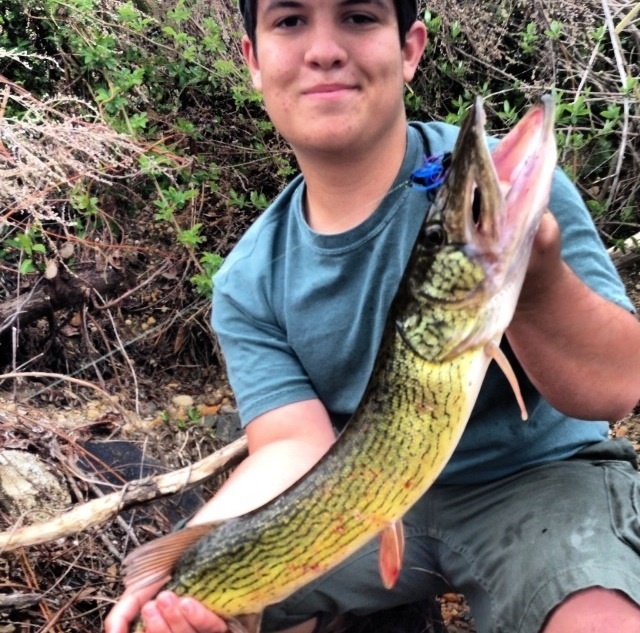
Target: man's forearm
[(283, 445), (581, 351)]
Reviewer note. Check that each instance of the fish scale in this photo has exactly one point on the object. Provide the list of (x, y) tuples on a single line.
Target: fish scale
[(455, 300)]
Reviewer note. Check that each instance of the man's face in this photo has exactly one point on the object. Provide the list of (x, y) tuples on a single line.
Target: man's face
[(332, 71)]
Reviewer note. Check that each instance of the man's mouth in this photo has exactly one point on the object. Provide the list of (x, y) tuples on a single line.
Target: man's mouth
[(328, 90)]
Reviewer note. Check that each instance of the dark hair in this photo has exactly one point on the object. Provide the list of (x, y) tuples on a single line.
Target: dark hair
[(406, 12)]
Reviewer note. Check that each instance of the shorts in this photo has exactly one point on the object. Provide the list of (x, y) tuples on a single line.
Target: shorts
[(516, 548)]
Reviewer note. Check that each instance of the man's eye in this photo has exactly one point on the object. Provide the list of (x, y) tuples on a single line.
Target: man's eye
[(289, 22), (361, 18)]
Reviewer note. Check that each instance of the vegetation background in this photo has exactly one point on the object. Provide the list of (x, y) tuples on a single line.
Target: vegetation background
[(134, 153)]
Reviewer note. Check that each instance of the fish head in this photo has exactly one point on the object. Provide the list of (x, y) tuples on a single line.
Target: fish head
[(472, 253)]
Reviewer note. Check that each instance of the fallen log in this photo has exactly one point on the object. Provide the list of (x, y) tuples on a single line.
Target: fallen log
[(97, 511)]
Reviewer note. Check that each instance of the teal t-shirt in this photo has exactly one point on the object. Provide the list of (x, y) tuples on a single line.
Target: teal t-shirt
[(300, 315)]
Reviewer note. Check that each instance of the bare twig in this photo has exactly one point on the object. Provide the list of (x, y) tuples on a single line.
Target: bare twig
[(620, 64), (628, 19), (19, 600)]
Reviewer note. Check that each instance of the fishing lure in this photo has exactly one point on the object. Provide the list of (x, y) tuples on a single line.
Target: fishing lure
[(432, 174)]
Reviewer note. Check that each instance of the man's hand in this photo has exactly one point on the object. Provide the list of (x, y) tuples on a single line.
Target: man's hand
[(166, 613), (544, 264)]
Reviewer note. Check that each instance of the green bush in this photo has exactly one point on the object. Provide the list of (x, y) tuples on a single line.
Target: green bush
[(130, 132), (131, 128)]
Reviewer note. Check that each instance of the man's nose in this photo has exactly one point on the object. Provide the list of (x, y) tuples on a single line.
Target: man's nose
[(325, 47)]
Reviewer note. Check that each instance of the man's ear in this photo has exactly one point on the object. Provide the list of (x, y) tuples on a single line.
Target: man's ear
[(251, 59), (414, 44)]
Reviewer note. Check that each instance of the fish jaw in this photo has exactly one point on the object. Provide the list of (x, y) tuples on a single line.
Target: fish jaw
[(525, 161), (485, 217)]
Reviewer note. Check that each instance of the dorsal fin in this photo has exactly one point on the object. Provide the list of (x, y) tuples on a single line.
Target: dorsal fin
[(493, 350), (154, 561)]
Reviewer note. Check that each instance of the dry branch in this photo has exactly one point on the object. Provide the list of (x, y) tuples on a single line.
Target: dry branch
[(51, 147), (97, 511), (63, 291), (19, 600)]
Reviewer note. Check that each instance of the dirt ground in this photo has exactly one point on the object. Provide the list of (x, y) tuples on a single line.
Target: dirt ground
[(67, 584)]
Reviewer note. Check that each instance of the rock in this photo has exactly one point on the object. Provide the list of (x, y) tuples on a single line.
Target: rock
[(114, 462), (226, 425), (29, 490), (182, 401)]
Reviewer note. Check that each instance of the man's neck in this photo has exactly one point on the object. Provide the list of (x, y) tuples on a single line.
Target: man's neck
[(343, 191)]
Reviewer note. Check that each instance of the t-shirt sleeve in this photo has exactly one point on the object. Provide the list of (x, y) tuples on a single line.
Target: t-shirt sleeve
[(263, 370), (582, 247)]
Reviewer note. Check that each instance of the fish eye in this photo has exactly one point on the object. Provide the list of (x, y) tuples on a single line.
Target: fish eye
[(434, 236)]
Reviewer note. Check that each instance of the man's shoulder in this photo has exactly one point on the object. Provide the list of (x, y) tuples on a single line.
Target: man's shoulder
[(440, 136), (277, 213), (262, 238)]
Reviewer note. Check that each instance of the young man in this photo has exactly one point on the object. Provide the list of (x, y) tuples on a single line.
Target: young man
[(536, 523)]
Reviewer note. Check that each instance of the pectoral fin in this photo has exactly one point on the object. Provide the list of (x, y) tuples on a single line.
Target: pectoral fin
[(154, 561), (391, 553), (248, 623), (493, 350)]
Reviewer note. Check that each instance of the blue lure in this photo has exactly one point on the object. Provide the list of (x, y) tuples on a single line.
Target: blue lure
[(432, 174)]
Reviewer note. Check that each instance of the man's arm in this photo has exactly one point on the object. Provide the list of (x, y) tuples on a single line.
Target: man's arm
[(581, 351), (283, 445)]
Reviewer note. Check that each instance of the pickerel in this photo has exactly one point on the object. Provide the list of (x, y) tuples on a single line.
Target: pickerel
[(455, 301)]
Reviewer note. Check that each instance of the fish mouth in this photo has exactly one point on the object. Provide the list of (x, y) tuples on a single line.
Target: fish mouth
[(496, 199)]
